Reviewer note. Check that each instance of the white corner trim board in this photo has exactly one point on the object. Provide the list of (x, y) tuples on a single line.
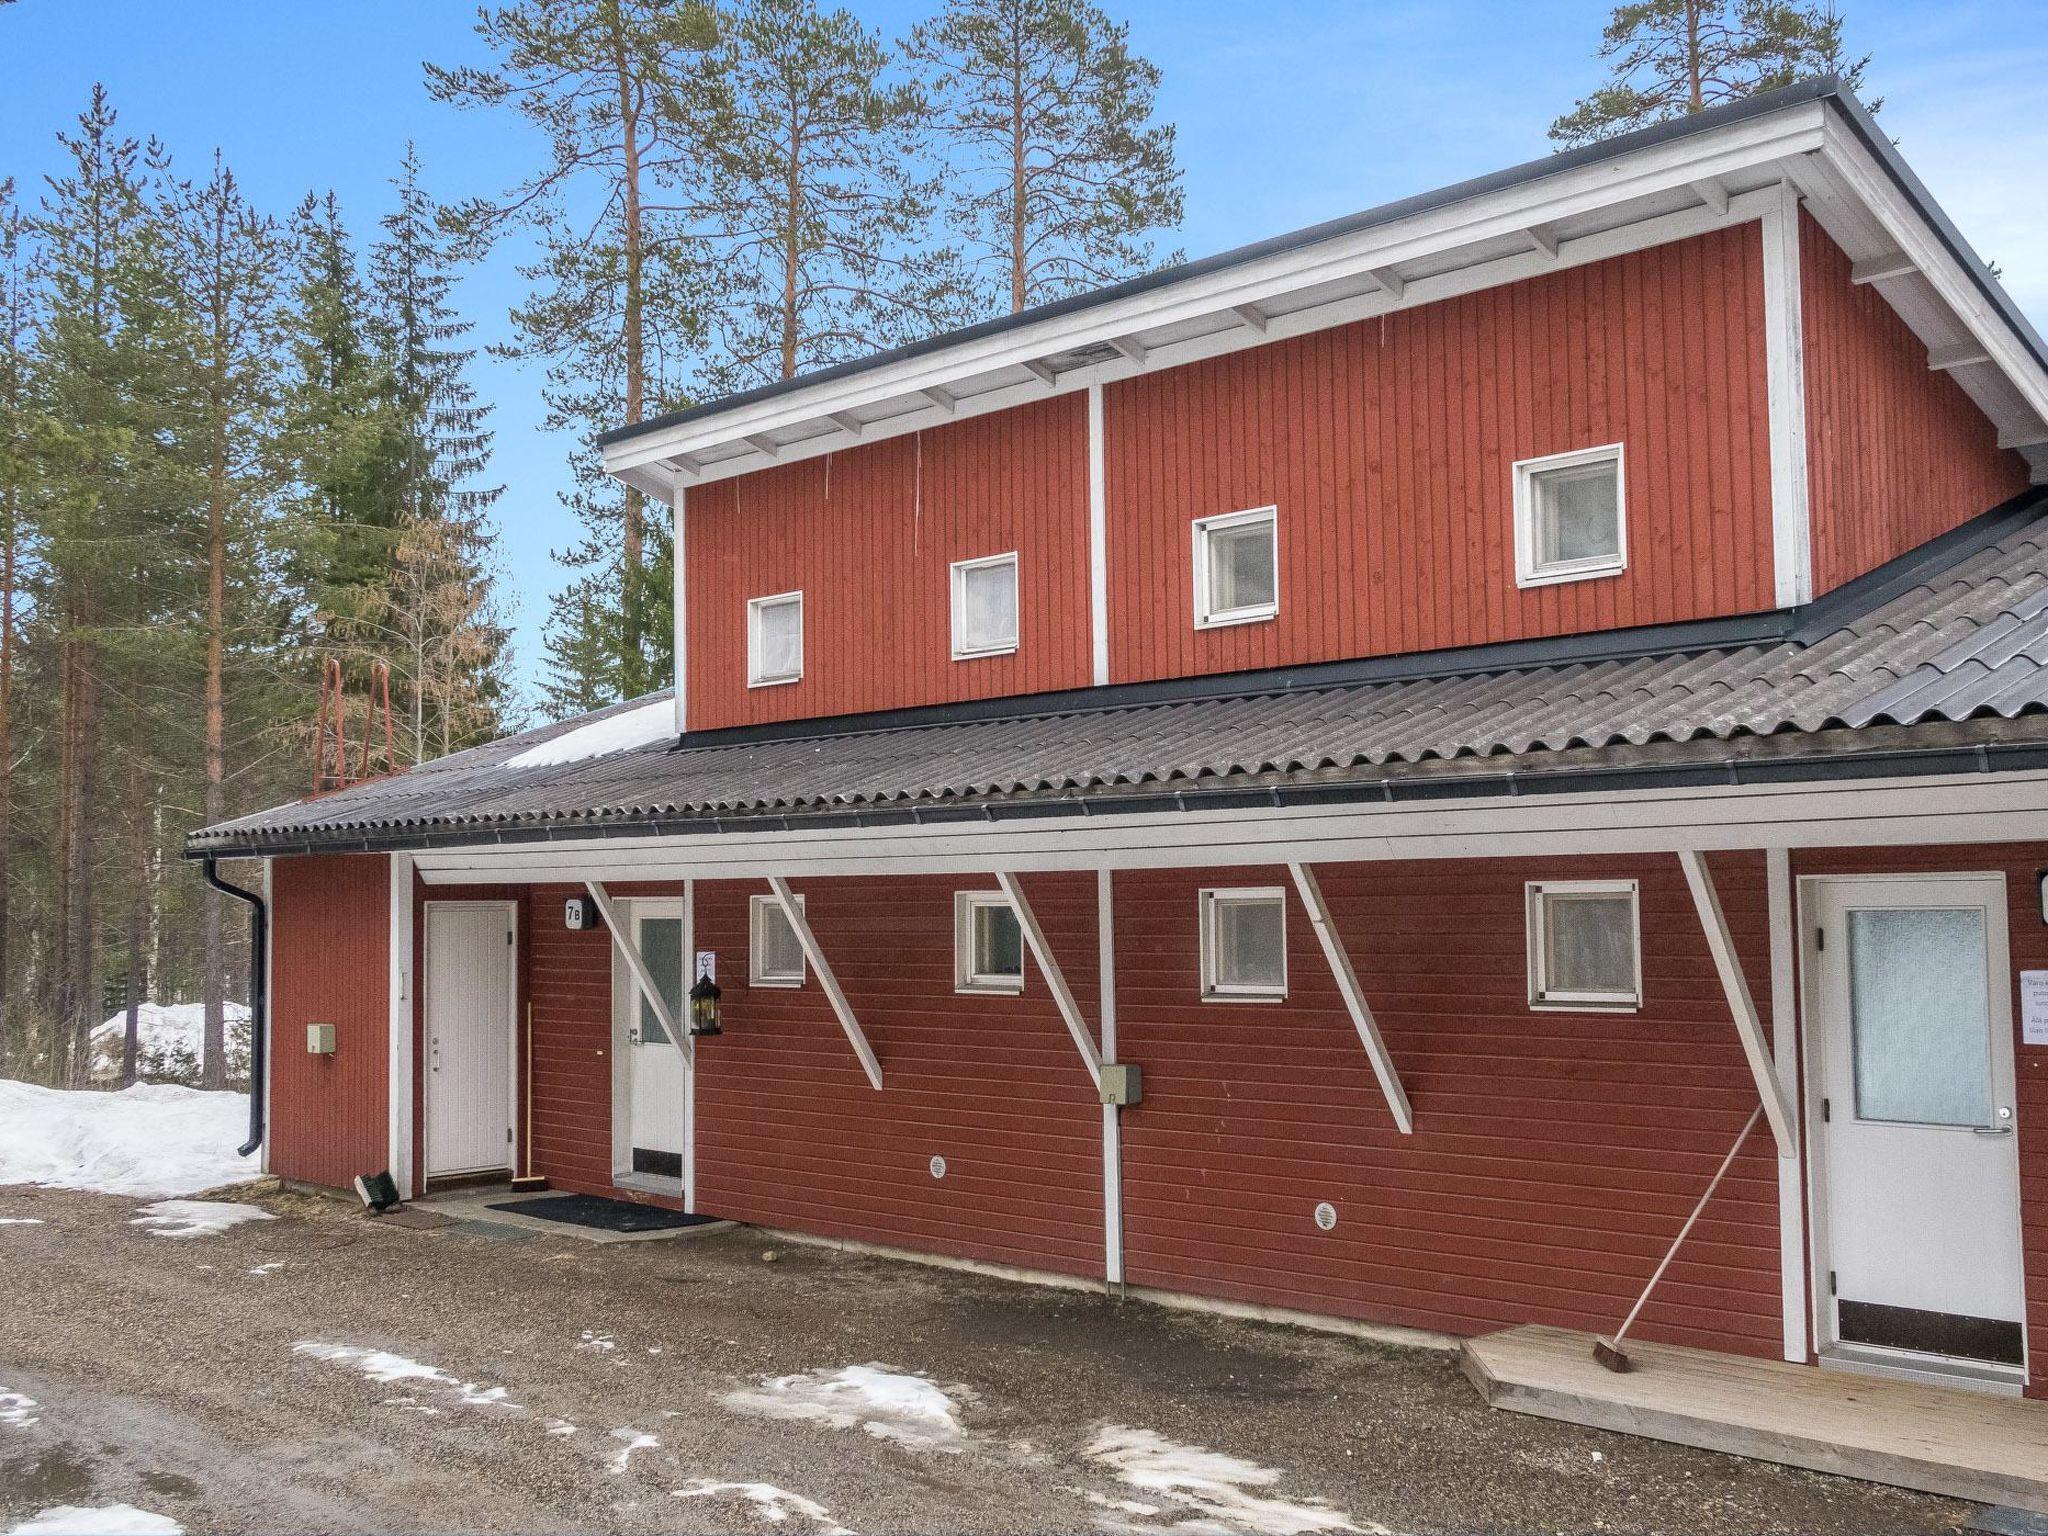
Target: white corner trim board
[(1785, 389), (398, 1151)]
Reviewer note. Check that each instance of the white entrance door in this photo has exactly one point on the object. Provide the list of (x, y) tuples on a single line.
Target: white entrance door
[(468, 1009), (1920, 1156), (657, 1090)]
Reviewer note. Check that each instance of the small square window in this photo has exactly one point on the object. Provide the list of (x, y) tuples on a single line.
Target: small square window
[(1237, 568), (1585, 945), (1244, 945), (988, 945), (774, 956), (984, 606), (1569, 517), (775, 639)]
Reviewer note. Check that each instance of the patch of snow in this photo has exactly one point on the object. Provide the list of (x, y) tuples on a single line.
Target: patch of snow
[(889, 1405), (268, 1269), (168, 1041), (1121, 1506), (595, 1343), (560, 1427), (770, 1502), (21, 1221), (629, 728), (196, 1218), (635, 1441), (17, 1410), (1226, 1489), (384, 1368), (107, 1520), (152, 1141)]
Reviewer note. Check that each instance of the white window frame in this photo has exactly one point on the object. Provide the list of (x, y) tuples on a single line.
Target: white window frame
[(1257, 613), (755, 678), (758, 908), (1213, 991), (962, 651), (1528, 572), (966, 978), (1543, 998)]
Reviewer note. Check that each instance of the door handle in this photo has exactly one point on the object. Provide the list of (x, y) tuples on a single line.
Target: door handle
[(1991, 1130)]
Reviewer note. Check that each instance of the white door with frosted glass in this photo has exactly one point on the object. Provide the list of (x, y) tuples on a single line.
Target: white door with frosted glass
[(1920, 1152), (656, 1088), (467, 1013)]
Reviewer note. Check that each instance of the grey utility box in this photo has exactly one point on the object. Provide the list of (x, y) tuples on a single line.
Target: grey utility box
[(320, 1039), (1122, 1083)]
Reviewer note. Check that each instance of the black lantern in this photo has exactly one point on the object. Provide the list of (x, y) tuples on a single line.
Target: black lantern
[(704, 1007)]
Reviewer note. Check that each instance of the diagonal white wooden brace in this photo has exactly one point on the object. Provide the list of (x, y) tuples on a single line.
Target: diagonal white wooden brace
[(1748, 1028), (642, 977), (1354, 998), (801, 927), (1055, 982)]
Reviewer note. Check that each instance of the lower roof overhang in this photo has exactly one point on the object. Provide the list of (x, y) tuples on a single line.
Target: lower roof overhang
[(1918, 787)]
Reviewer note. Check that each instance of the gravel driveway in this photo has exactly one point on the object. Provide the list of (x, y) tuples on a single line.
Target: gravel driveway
[(321, 1371)]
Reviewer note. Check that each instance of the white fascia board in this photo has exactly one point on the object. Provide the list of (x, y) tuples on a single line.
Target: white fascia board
[(1953, 808), (1663, 229), (1503, 214)]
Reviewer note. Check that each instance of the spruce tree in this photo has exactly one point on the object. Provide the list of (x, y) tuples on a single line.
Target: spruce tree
[(1060, 175), (1673, 58)]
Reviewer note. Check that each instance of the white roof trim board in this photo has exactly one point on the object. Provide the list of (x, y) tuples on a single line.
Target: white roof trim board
[(1662, 184)]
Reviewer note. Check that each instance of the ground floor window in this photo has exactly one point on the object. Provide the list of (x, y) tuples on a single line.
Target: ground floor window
[(1244, 945), (988, 946), (1585, 944), (775, 958)]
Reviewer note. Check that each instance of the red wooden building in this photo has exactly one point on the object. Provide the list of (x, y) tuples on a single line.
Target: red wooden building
[(1339, 776)]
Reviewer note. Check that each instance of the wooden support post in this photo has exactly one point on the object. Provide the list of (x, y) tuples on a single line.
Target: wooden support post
[(1354, 999), (822, 968), (1748, 1027), (1056, 983), (642, 977)]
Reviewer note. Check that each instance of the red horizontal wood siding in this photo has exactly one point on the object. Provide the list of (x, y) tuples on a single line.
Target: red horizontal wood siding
[(330, 921), (2022, 864), (1388, 447), (790, 1134), (868, 534), (1554, 1157), (1897, 452)]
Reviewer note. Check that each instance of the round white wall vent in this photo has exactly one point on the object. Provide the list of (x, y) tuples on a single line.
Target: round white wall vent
[(1326, 1216), (938, 1167)]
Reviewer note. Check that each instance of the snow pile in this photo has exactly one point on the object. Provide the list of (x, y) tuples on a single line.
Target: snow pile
[(385, 1368), (107, 1520), (17, 1410), (1227, 1489), (168, 1038), (153, 1141), (195, 1218), (635, 1440), (21, 1221), (629, 728), (887, 1404), (770, 1502)]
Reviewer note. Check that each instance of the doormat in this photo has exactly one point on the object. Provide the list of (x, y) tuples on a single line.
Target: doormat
[(601, 1213)]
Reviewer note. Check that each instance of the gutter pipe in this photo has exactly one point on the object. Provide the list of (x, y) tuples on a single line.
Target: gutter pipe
[(259, 999)]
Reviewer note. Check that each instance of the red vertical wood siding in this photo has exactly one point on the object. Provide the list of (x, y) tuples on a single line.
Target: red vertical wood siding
[(790, 1134), (1388, 448), (1897, 453), (1555, 1155), (2022, 864), (330, 952), (868, 535)]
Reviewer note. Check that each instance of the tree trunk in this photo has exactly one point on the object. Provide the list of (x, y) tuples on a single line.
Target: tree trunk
[(1019, 204), (76, 973), (212, 1048), (8, 547), (138, 915), (792, 250), (1693, 64), (634, 528)]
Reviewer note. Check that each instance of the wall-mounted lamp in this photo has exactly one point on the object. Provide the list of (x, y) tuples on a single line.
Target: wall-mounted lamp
[(704, 1007)]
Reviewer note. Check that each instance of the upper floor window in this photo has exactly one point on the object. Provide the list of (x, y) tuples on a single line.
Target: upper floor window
[(775, 956), (1237, 568), (984, 606), (1569, 517), (988, 945), (1585, 944), (775, 639), (1244, 945)]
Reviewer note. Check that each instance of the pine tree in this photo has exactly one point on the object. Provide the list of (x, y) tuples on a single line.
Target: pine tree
[(620, 91), (20, 285), (1673, 58), (1065, 173), (820, 199)]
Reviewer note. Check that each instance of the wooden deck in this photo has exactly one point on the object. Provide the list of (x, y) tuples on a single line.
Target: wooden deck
[(1939, 1440)]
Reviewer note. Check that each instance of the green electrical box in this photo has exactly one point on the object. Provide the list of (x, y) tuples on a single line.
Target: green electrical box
[(1122, 1083), (320, 1039)]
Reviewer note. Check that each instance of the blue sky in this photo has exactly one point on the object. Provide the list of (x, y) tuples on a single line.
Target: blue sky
[(1289, 111)]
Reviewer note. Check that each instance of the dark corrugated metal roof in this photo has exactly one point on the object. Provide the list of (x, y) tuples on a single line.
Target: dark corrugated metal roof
[(1964, 642)]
